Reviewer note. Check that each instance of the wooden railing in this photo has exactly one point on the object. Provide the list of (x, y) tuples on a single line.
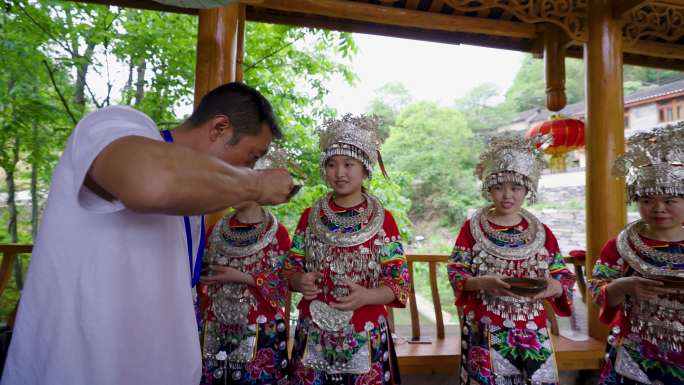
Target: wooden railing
[(432, 260), (444, 353), (424, 356)]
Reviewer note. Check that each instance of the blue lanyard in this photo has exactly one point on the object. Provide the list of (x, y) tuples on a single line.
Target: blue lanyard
[(197, 270)]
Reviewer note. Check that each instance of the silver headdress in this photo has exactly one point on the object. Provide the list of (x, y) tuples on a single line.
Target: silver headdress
[(276, 157), (355, 137), (654, 162), (513, 159)]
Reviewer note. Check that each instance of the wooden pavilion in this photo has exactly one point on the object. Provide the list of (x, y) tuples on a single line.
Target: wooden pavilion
[(605, 33)]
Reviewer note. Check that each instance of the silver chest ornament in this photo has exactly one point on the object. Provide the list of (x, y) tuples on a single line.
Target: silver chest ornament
[(342, 255), (528, 259), (346, 255), (231, 303), (659, 322)]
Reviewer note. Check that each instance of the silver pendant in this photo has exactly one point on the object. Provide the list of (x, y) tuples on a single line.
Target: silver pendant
[(328, 318)]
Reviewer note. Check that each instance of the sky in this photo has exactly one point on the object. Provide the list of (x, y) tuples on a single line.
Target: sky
[(430, 71)]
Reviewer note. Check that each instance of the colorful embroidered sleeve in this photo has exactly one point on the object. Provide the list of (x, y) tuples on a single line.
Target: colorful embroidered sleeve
[(394, 268), (607, 268), (271, 283), (295, 260), (559, 271), (460, 261)]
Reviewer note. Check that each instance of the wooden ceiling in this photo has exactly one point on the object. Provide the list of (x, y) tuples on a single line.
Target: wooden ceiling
[(653, 30)]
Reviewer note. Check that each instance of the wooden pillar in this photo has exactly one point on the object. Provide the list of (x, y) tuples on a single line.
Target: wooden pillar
[(605, 194), (219, 39), (240, 57), (220, 50), (554, 67)]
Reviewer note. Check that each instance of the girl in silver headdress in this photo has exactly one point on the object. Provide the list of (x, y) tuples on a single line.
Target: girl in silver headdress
[(243, 299), (504, 335), (348, 262), (638, 280)]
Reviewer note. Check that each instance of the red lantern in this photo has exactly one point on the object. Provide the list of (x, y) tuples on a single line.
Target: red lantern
[(568, 135)]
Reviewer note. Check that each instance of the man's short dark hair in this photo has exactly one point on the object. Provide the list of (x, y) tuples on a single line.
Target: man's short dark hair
[(246, 108)]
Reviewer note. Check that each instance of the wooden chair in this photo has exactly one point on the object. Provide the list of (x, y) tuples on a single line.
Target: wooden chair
[(420, 356), (577, 258)]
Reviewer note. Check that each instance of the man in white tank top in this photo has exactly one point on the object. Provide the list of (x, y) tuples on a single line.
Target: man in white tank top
[(108, 296)]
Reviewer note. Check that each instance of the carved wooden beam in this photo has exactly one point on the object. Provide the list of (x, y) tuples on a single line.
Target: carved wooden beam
[(570, 15), (662, 50), (402, 17), (654, 19), (621, 8)]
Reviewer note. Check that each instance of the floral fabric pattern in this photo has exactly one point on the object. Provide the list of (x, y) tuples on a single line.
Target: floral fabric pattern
[(268, 366), (380, 371)]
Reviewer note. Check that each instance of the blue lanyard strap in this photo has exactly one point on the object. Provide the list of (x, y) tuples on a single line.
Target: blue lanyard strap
[(195, 271)]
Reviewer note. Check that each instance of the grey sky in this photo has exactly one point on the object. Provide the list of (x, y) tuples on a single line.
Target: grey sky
[(431, 71)]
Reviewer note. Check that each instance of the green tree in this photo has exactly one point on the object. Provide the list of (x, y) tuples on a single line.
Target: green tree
[(480, 109), (645, 76), (436, 149), (159, 51), (389, 99)]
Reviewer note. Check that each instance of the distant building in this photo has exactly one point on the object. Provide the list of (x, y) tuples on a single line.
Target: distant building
[(644, 109)]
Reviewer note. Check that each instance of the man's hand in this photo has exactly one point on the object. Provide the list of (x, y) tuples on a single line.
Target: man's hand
[(275, 186)]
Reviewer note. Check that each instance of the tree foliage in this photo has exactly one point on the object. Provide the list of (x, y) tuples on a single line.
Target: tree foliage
[(483, 110), (389, 99), (74, 50), (436, 149)]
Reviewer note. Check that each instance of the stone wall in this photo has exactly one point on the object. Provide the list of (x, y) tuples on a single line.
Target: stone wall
[(561, 194), (569, 226)]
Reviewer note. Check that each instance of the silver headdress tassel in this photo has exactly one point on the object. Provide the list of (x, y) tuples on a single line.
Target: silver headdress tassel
[(513, 159), (352, 136), (654, 162)]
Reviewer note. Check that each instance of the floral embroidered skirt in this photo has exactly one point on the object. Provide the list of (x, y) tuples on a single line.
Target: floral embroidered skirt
[(632, 363), (368, 355), (496, 355), (257, 356)]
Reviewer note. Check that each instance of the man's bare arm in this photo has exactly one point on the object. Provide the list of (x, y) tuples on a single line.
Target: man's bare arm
[(153, 176)]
